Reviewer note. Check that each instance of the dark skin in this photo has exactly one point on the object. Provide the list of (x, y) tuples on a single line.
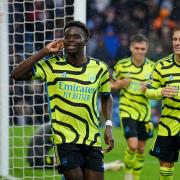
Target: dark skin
[(74, 41)]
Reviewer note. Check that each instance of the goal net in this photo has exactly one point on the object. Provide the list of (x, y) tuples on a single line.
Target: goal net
[(32, 24)]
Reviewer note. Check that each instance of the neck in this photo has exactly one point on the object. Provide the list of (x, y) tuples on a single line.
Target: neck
[(137, 62), (177, 58), (77, 60)]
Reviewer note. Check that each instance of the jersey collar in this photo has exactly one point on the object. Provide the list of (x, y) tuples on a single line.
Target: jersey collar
[(175, 62)]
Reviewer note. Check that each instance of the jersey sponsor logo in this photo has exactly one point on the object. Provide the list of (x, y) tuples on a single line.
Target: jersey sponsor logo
[(76, 88), (76, 91)]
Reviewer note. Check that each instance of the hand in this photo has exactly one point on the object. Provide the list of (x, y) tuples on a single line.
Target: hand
[(143, 87), (169, 91), (108, 138), (55, 46), (125, 82), (119, 84)]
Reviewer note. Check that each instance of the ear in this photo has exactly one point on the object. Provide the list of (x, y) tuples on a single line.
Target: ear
[(85, 42), (130, 47)]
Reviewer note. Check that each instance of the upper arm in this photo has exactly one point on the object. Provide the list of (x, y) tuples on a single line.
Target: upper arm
[(104, 87), (155, 80), (39, 70)]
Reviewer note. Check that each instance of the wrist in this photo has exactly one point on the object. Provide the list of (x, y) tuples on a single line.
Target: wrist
[(45, 51), (108, 123)]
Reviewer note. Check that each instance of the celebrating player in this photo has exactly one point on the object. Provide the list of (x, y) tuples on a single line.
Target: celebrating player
[(165, 84), (73, 83), (130, 76)]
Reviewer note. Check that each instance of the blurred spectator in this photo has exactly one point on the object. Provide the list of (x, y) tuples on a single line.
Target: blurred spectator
[(100, 7), (164, 20), (123, 50), (101, 52), (111, 43), (111, 22)]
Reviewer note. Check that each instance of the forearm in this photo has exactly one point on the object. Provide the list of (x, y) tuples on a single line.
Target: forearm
[(116, 85), (153, 93), (23, 70), (106, 105)]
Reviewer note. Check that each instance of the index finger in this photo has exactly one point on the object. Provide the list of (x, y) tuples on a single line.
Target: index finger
[(108, 148), (59, 41)]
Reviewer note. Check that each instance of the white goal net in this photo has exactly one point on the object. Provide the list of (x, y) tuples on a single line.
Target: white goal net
[(32, 24)]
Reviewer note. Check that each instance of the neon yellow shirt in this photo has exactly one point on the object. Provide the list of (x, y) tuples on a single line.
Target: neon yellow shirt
[(167, 73), (72, 93), (132, 101)]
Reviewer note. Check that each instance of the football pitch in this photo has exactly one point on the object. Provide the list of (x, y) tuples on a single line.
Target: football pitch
[(19, 167)]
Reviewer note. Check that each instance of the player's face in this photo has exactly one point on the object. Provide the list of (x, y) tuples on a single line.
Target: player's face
[(74, 40), (139, 50), (176, 42)]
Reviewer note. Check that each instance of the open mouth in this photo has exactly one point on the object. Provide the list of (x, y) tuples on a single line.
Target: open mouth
[(177, 49), (71, 47)]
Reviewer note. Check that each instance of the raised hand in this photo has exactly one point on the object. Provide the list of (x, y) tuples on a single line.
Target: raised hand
[(143, 87), (55, 46)]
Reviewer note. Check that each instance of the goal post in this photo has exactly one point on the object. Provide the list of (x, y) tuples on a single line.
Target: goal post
[(80, 10), (25, 27), (4, 89)]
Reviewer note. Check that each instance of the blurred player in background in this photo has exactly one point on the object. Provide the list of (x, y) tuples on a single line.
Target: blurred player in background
[(130, 77), (73, 83), (39, 151), (165, 84)]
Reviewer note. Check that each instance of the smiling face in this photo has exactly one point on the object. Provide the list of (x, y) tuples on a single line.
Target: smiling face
[(74, 40), (139, 50), (176, 42)]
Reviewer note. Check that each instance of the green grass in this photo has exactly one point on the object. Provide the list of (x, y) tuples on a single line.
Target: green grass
[(20, 168), (151, 166)]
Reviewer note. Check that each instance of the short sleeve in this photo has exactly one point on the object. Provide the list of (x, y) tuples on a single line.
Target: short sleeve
[(116, 71), (155, 79), (104, 87), (38, 70)]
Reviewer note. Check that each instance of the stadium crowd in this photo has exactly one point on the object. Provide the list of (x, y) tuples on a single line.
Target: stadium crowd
[(111, 24)]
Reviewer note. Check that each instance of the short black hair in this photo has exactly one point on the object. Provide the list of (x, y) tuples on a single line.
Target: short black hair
[(139, 38), (80, 25)]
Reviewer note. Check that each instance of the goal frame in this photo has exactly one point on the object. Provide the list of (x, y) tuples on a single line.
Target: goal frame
[(4, 90), (79, 14)]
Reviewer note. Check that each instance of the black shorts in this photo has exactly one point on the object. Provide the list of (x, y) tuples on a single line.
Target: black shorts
[(133, 128), (166, 148), (79, 155)]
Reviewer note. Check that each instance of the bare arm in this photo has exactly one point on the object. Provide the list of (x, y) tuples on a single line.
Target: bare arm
[(106, 104), (23, 70), (119, 84)]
